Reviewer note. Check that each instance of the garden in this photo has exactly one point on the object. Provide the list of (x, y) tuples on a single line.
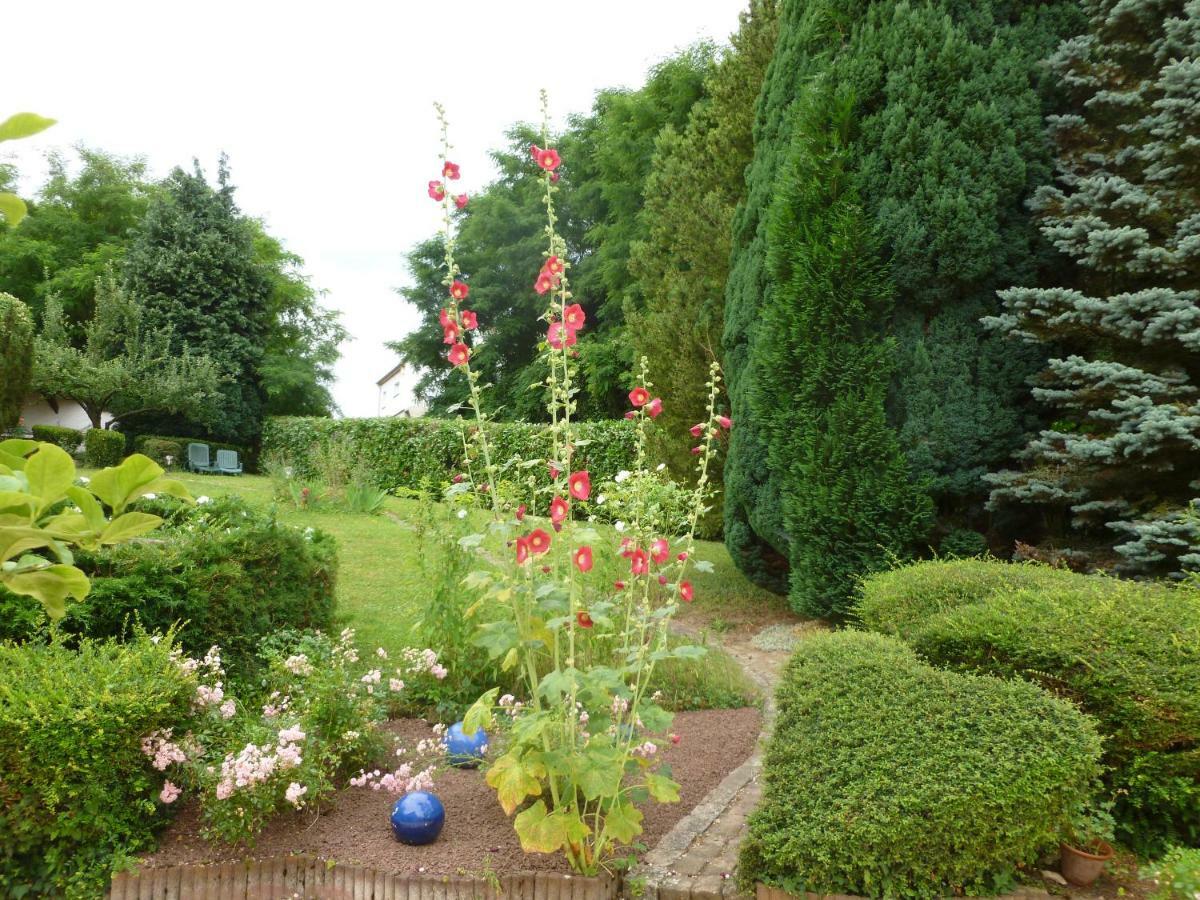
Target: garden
[(805, 506)]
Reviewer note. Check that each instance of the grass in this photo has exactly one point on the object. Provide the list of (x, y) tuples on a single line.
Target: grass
[(382, 587)]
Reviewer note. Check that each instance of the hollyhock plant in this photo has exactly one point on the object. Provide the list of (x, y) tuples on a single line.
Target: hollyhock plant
[(459, 290), (581, 749), (450, 170), (459, 354), (437, 190), (461, 201), (469, 320)]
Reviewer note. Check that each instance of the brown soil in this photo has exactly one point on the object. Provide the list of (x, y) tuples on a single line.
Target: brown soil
[(477, 837)]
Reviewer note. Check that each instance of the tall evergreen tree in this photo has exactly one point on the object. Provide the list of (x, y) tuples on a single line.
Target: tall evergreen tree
[(1123, 459), (16, 358), (192, 266), (696, 180), (820, 367)]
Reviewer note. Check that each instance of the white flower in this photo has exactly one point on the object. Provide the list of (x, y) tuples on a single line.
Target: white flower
[(462, 513), (622, 475), (660, 467), (150, 496), (600, 499), (155, 638), (203, 499), (83, 479), (619, 525), (294, 793)]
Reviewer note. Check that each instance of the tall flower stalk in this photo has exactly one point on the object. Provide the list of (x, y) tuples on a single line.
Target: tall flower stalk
[(579, 753)]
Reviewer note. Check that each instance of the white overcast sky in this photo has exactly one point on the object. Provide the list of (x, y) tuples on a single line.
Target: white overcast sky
[(325, 109)]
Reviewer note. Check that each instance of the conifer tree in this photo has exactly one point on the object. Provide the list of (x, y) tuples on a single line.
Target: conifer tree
[(16, 358), (1122, 460)]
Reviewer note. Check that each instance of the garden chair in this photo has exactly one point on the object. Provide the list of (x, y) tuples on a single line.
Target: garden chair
[(198, 459), (227, 462)]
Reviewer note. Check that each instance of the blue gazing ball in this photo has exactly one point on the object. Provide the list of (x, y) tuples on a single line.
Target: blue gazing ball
[(417, 818), (465, 750)]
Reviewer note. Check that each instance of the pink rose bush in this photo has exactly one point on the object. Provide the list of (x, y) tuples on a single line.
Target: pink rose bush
[(317, 722), (579, 748)]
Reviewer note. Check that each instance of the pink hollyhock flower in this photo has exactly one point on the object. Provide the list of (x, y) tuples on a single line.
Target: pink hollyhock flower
[(521, 512), (660, 550), (444, 318), (558, 510), (450, 170), (681, 557), (554, 473), (580, 484), (534, 150), (458, 478), (539, 541), (470, 320), (639, 396), (554, 336), (459, 290), (548, 159), (725, 422), (170, 792), (584, 620), (449, 332), (619, 585), (459, 354), (696, 430), (696, 451), (627, 547), (662, 579), (654, 407), (522, 550), (544, 283), (553, 266), (638, 563), (685, 591), (583, 559), (461, 201), (437, 190), (554, 177), (630, 414), (573, 317)]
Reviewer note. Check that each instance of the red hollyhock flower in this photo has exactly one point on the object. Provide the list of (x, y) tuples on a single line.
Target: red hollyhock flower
[(437, 190), (660, 550), (662, 579), (725, 422), (539, 541), (696, 451), (522, 550), (685, 591), (681, 557), (584, 620), (544, 283), (553, 470), (450, 170), (697, 430), (554, 177), (450, 333), (638, 564), (580, 484), (548, 159), (573, 317), (675, 739), (619, 585), (553, 266), (469, 319), (639, 396), (630, 414), (521, 513), (444, 318), (459, 354), (534, 150), (558, 510), (583, 559), (461, 201), (554, 336), (627, 547), (459, 290), (654, 407), (458, 478)]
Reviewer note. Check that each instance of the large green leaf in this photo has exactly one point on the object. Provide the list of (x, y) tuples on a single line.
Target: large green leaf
[(480, 713), (51, 586), (14, 450), (599, 772), (50, 471), (662, 788), (128, 526), (624, 821), (12, 208), (514, 778), (118, 485), (542, 832), (23, 125), (89, 506), (15, 540)]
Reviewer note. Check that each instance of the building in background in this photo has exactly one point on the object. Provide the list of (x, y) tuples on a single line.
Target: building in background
[(397, 395), (39, 410)]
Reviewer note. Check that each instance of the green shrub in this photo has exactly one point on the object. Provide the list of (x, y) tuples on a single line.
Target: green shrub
[(78, 794), (1177, 875), (67, 438), (963, 543), (414, 453), (1127, 652), (888, 777), (16, 358), (145, 443), (103, 448), (158, 449), (230, 573)]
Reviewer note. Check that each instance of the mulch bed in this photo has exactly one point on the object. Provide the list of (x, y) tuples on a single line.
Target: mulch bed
[(477, 837)]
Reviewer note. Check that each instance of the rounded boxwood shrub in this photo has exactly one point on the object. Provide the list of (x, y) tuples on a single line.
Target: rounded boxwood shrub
[(228, 573), (67, 438), (76, 792), (158, 449), (1127, 652), (102, 448), (888, 777)]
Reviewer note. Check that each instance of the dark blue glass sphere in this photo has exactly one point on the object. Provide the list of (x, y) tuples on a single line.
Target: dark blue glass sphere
[(465, 750), (417, 818)]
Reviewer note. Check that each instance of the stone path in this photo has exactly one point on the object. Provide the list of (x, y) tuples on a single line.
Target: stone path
[(696, 859)]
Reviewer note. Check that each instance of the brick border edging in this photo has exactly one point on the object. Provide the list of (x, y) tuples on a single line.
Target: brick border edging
[(313, 878)]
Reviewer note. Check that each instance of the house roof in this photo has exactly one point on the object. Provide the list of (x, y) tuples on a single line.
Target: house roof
[(390, 375)]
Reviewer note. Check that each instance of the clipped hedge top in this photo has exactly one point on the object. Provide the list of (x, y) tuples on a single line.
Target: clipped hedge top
[(888, 777)]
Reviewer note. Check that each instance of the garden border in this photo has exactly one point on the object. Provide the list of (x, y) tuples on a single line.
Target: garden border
[(306, 877)]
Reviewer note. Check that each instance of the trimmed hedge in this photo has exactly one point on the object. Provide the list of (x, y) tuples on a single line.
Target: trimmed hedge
[(229, 573), (415, 453), (1127, 652), (102, 448), (888, 777), (76, 792), (68, 439)]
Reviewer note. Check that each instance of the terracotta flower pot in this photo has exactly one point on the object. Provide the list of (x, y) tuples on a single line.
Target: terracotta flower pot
[(1082, 867)]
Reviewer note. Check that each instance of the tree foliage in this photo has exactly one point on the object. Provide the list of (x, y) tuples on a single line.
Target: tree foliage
[(1123, 459), (123, 366), (16, 358), (680, 265), (194, 269)]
